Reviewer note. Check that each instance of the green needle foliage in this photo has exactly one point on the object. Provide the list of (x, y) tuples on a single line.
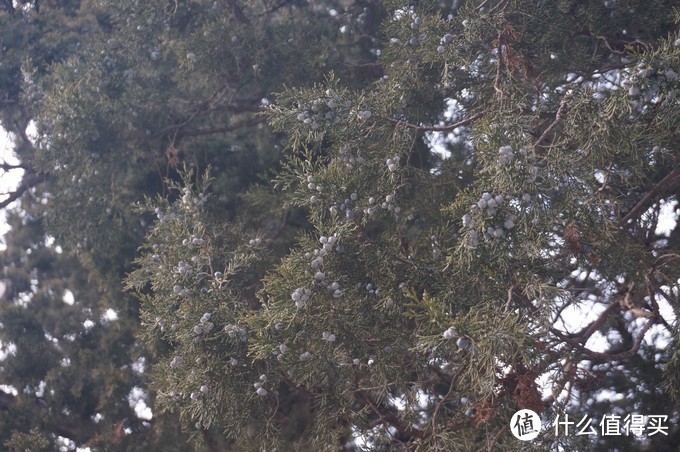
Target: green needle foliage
[(508, 168), (373, 225)]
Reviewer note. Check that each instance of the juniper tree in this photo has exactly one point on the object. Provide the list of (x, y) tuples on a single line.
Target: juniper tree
[(501, 181), (499, 165), (123, 95), (70, 361)]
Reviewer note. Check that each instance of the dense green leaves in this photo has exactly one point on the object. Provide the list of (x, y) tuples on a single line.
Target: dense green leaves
[(357, 225)]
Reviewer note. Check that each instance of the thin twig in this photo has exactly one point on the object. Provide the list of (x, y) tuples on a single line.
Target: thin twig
[(588, 331), (493, 442), (509, 302), (436, 411), (558, 118), (448, 128), (499, 66), (651, 286), (482, 5), (500, 5)]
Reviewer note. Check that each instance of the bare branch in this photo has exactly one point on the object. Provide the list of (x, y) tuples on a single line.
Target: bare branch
[(8, 167), (583, 335), (494, 440), (558, 118), (448, 128), (668, 183), (28, 182)]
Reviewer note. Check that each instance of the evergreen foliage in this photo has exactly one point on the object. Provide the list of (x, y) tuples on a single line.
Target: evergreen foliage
[(346, 225)]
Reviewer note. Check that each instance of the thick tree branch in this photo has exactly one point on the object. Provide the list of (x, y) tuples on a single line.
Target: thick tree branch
[(585, 334), (29, 181), (668, 183), (8, 167), (578, 341), (273, 8)]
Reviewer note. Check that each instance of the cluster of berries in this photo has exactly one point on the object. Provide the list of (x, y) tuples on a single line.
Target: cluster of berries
[(324, 111), (204, 324), (651, 80), (235, 331), (487, 209), (346, 155), (444, 41)]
